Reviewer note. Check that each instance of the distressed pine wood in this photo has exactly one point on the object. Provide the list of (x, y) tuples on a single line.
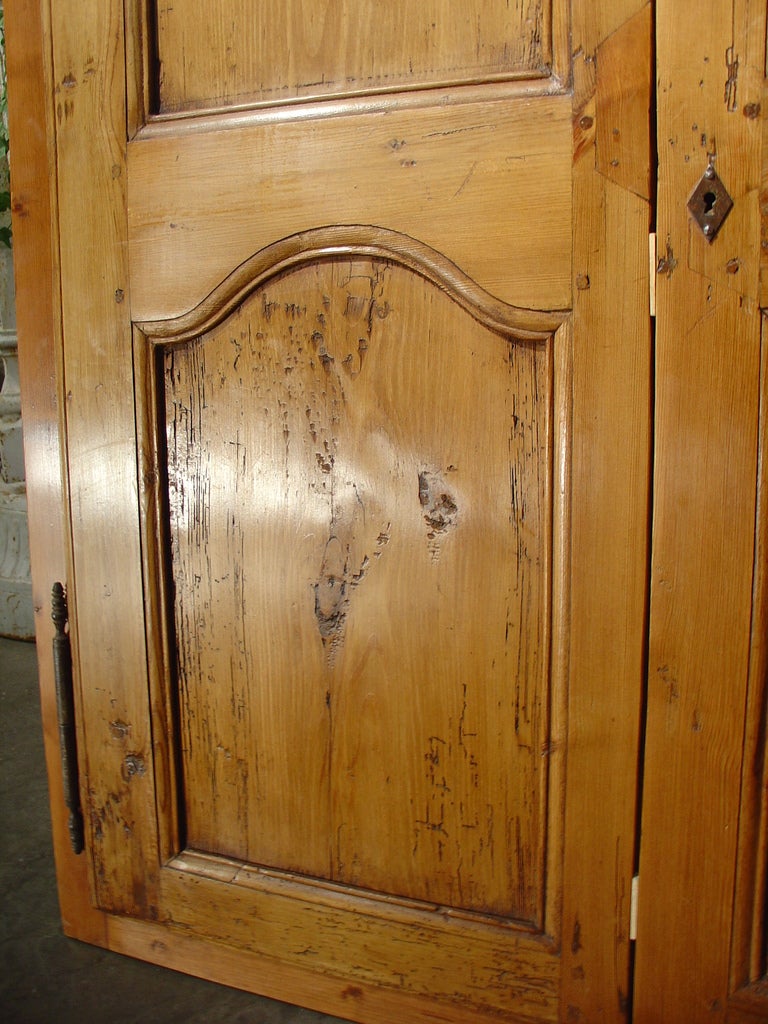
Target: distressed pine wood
[(484, 177), (362, 1000), (622, 105), (748, 953), (708, 395), (363, 938), (34, 207), (610, 504), (761, 110), (339, 495), (105, 571), (357, 240), (278, 51), (749, 997), (361, 309), (432, 173)]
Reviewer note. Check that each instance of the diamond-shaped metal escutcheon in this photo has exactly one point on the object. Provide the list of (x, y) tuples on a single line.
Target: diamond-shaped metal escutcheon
[(710, 203)]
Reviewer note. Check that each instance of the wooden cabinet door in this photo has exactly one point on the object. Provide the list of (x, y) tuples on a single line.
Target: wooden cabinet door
[(352, 342)]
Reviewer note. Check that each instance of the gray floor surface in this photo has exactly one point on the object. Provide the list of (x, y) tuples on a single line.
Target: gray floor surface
[(45, 977)]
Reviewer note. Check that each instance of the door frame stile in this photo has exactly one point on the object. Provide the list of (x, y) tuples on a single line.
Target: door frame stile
[(612, 95), (706, 446), (36, 266)]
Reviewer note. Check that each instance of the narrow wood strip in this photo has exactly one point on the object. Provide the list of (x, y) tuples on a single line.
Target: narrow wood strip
[(338, 897), (700, 657), (747, 955), (190, 122), (608, 533), (561, 624)]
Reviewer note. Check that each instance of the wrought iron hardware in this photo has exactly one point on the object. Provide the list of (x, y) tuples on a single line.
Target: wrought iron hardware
[(65, 703), (710, 203)]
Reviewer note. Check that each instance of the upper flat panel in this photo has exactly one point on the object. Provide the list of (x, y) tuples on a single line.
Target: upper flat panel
[(246, 52)]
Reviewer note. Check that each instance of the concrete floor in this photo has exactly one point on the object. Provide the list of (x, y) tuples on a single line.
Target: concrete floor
[(45, 977)]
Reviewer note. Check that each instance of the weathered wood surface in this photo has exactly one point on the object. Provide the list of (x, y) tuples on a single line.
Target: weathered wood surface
[(610, 501), (34, 211), (359, 495), (447, 176), (277, 52), (104, 577), (485, 177), (707, 452)]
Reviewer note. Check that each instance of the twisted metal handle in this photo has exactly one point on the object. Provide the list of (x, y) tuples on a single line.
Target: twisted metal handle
[(65, 703)]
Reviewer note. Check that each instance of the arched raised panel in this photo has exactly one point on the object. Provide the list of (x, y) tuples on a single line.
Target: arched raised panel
[(354, 457)]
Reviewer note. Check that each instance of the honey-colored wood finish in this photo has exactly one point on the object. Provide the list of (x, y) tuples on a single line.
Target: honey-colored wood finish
[(610, 303), (36, 274), (275, 179), (702, 856), (323, 500), (268, 52), (355, 418)]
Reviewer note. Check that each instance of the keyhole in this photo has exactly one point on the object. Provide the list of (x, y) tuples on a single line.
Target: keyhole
[(709, 203)]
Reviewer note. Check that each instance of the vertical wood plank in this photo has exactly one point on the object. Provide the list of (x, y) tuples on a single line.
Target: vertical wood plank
[(110, 657), (30, 116), (707, 405), (610, 506), (748, 952)]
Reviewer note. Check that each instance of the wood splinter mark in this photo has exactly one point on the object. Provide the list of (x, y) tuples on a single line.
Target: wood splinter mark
[(331, 591), (667, 263), (732, 82), (334, 588), (120, 730)]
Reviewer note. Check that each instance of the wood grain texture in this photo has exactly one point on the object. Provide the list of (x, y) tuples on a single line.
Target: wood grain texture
[(446, 176), (383, 557), (610, 486), (488, 183), (275, 52), (733, 263), (461, 966), (748, 1005), (623, 104), (105, 576), (30, 116), (749, 933), (521, 193), (364, 1000), (707, 448), (356, 240), (761, 110)]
